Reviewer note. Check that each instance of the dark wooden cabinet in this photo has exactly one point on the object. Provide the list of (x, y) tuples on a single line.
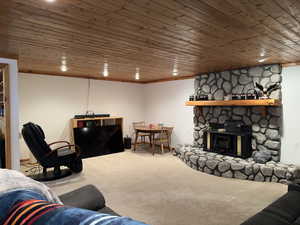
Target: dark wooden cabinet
[(98, 135)]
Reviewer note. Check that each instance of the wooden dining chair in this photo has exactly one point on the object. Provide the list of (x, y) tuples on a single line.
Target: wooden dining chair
[(164, 137), (141, 135)]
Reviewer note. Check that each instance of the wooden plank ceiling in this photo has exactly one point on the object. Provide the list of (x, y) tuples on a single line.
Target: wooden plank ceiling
[(201, 35)]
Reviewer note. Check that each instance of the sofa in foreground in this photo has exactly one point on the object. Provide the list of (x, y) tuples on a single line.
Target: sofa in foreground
[(28, 202), (87, 197), (284, 211)]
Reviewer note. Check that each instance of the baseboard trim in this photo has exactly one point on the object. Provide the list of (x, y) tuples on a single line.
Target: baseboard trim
[(147, 143)]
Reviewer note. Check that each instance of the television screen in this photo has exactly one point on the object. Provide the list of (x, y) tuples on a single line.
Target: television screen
[(99, 140)]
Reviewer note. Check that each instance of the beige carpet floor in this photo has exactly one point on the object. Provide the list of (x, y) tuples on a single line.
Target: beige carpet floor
[(162, 190)]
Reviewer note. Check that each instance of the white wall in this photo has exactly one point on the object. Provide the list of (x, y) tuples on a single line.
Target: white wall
[(290, 147), (14, 111), (52, 101), (164, 102)]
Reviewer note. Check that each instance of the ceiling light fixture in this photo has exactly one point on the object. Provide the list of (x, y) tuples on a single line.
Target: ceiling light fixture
[(175, 72), (262, 60), (50, 1), (175, 68), (137, 74), (63, 66), (262, 53), (105, 73), (105, 69)]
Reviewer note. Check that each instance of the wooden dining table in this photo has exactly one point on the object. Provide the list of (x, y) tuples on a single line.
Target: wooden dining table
[(151, 130)]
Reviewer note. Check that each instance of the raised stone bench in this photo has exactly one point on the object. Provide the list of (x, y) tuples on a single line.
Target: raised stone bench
[(231, 167)]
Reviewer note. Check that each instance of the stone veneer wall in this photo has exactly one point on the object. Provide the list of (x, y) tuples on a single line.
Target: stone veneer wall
[(232, 167), (266, 129)]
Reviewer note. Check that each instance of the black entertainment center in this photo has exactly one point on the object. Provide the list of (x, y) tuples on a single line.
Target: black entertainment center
[(96, 136)]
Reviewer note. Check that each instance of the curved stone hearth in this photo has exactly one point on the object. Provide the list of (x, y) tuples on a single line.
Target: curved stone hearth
[(231, 167)]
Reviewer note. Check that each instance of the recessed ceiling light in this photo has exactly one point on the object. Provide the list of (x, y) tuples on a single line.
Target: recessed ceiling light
[(175, 73), (105, 73), (262, 53), (262, 60), (137, 74), (105, 70), (64, 68), (50, 1), (175, 68)]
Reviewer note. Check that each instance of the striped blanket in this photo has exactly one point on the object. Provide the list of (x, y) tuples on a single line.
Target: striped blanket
[(31, 208), (11, 180), (24, 201)]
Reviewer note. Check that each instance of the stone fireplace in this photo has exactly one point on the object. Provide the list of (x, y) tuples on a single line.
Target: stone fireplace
[(264, 128)]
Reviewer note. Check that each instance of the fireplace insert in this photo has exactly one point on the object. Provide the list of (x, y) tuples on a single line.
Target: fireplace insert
[(224, 143), (232, 142)]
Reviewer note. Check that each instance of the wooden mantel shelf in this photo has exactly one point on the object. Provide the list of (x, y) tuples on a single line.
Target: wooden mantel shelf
[(256, 102)]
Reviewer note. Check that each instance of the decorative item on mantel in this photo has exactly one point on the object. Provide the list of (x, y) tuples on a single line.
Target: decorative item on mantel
[(253, 95), (200, 95), (228, 97), (192, 98), (246, 96), (266, 92)]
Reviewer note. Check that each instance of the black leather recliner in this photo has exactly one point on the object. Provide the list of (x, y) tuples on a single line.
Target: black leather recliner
[(50, 158)]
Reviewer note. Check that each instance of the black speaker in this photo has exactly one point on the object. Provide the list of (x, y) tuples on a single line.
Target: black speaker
[(127, 143)]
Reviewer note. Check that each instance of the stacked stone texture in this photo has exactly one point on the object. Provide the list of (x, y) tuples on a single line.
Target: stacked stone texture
[(231, 167), (265, 128)]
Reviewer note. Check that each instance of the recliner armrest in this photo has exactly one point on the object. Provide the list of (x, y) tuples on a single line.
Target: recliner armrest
[(65, 151), (86, 197)]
